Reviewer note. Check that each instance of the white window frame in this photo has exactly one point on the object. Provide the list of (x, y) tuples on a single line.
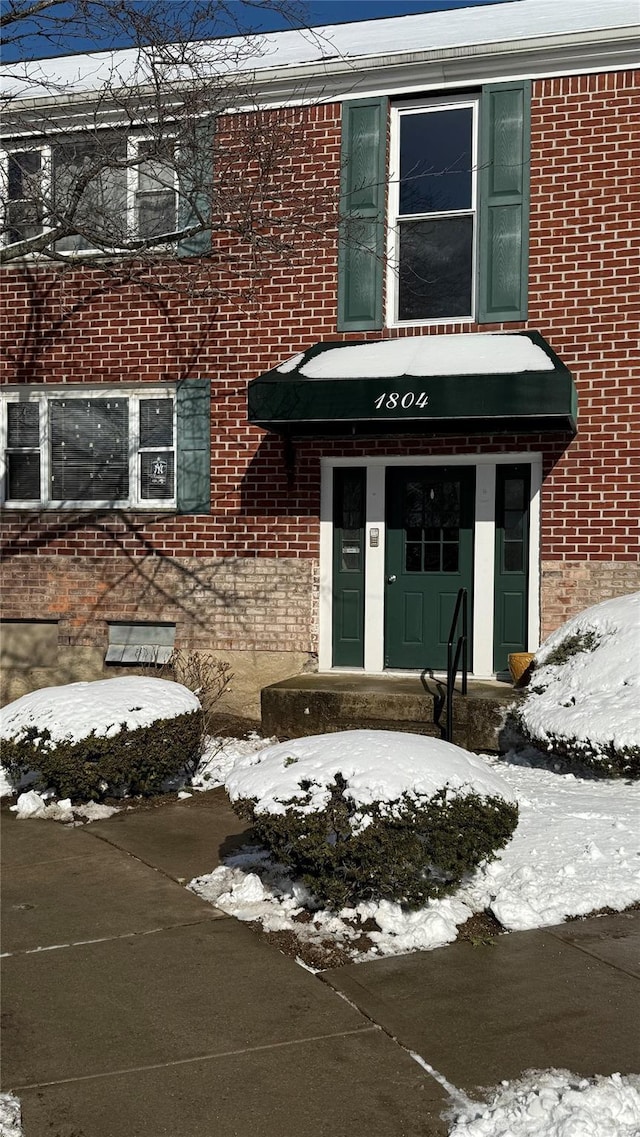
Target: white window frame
[(134, 142), (82, 393), (46, 173), (425, 106)]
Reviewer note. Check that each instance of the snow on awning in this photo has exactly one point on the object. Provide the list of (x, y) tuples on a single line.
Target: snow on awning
[(468, 382)]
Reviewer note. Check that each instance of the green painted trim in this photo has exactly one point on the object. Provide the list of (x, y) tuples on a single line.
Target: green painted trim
[(545, 399), (193, 410), (362, 214), (503, 275), (195, 191), (511, 588)]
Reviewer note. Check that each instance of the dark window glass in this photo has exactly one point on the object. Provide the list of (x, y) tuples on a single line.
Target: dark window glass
[(349, 487), (513, 556), (156, 422), (449, 557), (23, 476), (23, 424), (24, 206), (432, 546), (89, 449), (156, 475), (436, 260), (413, 556), (155, 197), (436, 161), (97, 166)]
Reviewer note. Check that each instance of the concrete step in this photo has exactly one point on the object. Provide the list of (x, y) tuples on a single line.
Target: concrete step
[(319, 704)]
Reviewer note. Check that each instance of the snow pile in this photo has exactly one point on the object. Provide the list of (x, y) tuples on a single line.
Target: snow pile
[(76, 710), (219, 757), (576, 850), (555, 1103), (589, 704), (377, 765), (10, 1116), (31, 804)]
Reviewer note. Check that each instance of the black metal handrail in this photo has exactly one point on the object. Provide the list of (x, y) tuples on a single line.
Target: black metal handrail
[(453, 657)]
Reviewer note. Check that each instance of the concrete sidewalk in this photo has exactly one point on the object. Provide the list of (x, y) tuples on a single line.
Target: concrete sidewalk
[(132, 1007)]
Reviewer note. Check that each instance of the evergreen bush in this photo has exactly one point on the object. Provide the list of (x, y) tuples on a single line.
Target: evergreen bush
[(134, 761), (408, 850)]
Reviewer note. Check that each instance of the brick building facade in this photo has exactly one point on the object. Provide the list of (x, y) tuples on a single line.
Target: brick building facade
[(292, 563)]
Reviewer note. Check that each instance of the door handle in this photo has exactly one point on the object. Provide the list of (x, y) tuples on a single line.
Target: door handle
[(391, 579)]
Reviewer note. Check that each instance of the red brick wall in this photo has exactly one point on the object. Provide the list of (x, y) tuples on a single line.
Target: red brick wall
[(254, 309)]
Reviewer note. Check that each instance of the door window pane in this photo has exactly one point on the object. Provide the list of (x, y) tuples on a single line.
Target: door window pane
[(432, 546)]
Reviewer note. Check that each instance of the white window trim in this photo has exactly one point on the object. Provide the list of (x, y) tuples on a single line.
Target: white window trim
[(481, 664), (393, 229), (46, 153), (131, 175), (134, 142), (84, 392)]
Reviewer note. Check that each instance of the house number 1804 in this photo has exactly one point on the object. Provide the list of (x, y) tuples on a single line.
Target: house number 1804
[(389, 400)]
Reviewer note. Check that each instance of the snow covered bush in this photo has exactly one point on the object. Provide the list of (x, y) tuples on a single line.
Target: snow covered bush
[(373, 815), (89, 740), (583, 702)]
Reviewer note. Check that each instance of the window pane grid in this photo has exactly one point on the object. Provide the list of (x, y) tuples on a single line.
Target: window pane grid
[(71, 451)]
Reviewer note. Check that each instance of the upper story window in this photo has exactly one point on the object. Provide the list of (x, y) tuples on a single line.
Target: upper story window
[(433, 212), (102, 190), (111, 449)]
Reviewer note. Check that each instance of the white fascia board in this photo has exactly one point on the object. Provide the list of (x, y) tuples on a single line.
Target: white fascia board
[(349, 77)]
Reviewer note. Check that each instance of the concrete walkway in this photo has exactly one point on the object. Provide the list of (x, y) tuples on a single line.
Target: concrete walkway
[(131, 1007)]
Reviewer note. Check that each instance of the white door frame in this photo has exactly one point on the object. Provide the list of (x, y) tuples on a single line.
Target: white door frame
[(481, 663)]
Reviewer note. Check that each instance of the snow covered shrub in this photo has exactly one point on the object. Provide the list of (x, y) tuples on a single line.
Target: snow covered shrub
[(86, 741), (373, 815), (583, 702)]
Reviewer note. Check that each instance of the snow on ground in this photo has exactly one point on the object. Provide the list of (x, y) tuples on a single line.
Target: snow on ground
[(576, 849), (76, 710), (10, 1118), (554, 1103), (219, 757), (594, 697)]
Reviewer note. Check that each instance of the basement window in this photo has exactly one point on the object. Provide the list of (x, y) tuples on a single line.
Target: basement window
[(140, 643)]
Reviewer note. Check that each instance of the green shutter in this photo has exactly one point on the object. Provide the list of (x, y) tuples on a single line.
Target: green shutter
[(362, 202), (195, 177), (504, 201), (193, 405)]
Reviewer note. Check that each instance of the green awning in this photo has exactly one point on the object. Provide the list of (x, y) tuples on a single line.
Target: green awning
[(472, 382)]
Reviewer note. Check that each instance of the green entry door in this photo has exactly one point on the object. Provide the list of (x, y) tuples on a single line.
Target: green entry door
[(430, 514)]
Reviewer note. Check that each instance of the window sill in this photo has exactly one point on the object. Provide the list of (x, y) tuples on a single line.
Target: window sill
[(88, 507)]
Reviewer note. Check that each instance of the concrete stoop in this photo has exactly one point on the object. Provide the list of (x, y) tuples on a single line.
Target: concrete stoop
[(319, 704)]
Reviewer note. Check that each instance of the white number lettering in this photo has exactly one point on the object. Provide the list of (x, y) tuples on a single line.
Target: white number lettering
[(422, 400), (379, 401), (407, 400), (392, 401)]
